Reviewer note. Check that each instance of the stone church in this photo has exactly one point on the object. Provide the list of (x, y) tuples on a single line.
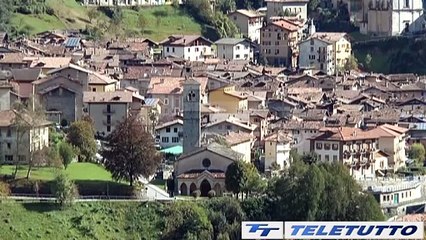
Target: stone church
[(200, 167)]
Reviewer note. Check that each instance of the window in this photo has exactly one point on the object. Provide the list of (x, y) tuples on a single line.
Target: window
[(167, 49), (319, 146), (108, 108), (238, 47), (245, 56), (326, 146), (175, 130), (108, 128), (312, 49), (168, 129), (9, 146), (335, 146), (165, 139), (109, 119), (175, 139), (189, 49), (228, 127), (196, 49), (9, 132), (206, 162), (327, 158), (173, 49), (334, 158), (237, 56), (8, 158), (166, 101), (406, 3), (277, 43), (94, 89)]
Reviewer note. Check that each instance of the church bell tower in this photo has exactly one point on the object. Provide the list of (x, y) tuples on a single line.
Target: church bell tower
[(191, 115)]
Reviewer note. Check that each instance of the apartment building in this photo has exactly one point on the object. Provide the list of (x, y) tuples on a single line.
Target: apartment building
[(187, 47), (325, 51), (108, 109), (170, 134), (11, 148), (279, 43), (234, 49), (249, 23)]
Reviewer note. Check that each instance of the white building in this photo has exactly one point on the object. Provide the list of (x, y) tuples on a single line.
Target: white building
[(277, 150), (170, 134), (325, 51), (234, 49), (294, 8), (188, 47), (249, 23), (390, 18)]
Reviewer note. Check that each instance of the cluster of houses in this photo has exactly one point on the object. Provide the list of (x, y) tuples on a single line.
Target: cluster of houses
[(219, 106)]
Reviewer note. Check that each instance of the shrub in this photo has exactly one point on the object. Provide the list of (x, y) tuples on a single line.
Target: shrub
[(196, 193), (50, 11), (4, 190), (64, 189), (211, 194)]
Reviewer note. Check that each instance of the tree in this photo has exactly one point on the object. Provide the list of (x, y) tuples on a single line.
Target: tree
[(142, 22), (226, 6), (417, 152), (313, 5), (320, 192), (64, 190), (29, 123), (351, 63), (82, 136), (242, 177), (175, 4), (130, 152), (367, 60), (92, 14), (67, 153), (310, 157), (6, 10), (187, 220)]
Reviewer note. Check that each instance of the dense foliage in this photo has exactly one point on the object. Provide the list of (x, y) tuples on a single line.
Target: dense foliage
[(417, 153), (82, 136), (64, 190), (130, 152)]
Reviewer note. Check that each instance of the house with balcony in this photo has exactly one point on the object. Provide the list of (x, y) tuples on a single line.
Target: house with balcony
[(108, 109), (279, 43), (169, 134), (187, 47), (355, 148), (11, 148), (327, 52), (249, 23)]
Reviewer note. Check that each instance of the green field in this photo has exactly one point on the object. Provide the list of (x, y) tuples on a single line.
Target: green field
[(93, 220), (70, 14), (76, 171)]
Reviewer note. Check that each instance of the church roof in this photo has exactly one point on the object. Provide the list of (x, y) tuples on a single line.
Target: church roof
[(218, 149)]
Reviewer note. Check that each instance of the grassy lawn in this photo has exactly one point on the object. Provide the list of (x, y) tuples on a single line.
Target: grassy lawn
[(69, 14), (94, 220), (76, 171)]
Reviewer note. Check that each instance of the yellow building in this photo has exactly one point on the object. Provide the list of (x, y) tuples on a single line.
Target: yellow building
[(229, 99)]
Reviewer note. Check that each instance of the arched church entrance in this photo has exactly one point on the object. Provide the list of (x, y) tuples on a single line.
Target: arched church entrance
[(183, 189), (205, 188), (192, 188)]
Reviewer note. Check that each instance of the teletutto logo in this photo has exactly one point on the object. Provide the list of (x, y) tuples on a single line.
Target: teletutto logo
[(332, 230)]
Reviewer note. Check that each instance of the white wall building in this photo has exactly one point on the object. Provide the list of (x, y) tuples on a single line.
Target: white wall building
[(390, 18), (170, 134), (234, 49), (188, 47), (249, 23), (296, 8), (277, 150)]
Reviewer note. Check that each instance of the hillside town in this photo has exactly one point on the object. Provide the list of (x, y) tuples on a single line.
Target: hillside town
[(282, 90)]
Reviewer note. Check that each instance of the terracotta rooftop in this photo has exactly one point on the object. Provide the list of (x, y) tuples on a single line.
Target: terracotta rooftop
[(171, 85), (280, 136), (7, 118), (110, 97), (12, 58), (234, 138), (285, 25), (48, 62), (330, 37)]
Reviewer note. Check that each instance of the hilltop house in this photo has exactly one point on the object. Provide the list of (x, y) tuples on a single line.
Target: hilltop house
[(296, 8), (249, 23), (234, 49), (187, 47), (325, 51)]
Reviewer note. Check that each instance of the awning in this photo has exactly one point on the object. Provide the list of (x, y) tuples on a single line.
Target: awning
[(176, 150)]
